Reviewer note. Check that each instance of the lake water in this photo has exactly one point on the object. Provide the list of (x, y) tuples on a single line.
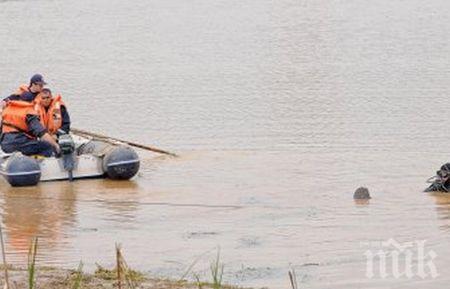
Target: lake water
[(279, 110)]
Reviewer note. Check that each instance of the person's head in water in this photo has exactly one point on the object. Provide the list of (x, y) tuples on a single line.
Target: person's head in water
[(46, 97), (37, 83)]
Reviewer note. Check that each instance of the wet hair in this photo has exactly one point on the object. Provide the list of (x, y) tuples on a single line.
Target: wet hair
[(47, 90)]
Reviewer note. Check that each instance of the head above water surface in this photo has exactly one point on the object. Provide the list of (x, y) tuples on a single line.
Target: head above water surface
[(361, 193)]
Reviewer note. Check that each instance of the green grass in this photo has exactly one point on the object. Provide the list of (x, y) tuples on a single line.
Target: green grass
[(293, 279), (111, 274), (122, 273), (31, 268), (121, 277), (217, 272), (198, 282), (78, 277)]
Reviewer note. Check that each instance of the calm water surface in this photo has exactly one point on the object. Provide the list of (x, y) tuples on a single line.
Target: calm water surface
[(280, 109)]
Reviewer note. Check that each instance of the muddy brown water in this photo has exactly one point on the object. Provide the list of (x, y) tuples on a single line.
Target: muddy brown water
[(279, 109)]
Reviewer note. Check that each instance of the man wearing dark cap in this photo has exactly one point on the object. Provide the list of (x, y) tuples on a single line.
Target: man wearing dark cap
[(28, 92), (25, 92)]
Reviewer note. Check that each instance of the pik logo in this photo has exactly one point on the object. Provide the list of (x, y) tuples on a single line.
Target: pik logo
[(401, 260)]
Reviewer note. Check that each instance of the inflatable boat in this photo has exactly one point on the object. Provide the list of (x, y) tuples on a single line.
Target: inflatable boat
[(80, 157)]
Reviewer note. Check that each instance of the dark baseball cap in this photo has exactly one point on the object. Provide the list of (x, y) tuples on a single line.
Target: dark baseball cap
[(37, 78)]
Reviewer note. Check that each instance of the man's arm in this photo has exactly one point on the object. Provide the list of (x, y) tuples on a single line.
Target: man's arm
[(35, 128), (11, 97)]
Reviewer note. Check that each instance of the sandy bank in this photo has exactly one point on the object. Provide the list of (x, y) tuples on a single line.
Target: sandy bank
[(56, 278)]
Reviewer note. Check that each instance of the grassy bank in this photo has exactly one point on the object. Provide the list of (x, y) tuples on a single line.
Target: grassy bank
[(120, 277), (55, 278)]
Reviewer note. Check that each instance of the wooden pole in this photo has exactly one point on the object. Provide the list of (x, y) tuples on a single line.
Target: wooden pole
[(110, 139), (119, 267)]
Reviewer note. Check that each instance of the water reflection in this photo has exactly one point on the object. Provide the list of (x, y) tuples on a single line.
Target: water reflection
[(362, 202), (442, 201), (50, 212), (43, 211)]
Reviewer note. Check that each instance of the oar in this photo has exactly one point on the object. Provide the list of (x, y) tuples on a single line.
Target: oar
[(106, 138)]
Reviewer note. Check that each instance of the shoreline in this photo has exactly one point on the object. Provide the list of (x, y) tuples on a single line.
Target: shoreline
[(58, 278)]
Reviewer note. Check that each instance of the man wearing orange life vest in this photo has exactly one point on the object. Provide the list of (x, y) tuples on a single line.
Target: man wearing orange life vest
[(23, 132), (52, 112), (27, 93), (21, 127)]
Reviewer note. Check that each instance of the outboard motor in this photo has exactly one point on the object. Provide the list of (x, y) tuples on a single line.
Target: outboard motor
[(67, 146), (121, 163), (441, 181), (21, 171)]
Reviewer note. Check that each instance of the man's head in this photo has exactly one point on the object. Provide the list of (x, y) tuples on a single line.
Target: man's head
[(37, 83), (46, 97)]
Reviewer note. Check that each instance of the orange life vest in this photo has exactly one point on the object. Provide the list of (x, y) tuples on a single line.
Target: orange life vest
[(51, 118), (22, 89), (14, 116)]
